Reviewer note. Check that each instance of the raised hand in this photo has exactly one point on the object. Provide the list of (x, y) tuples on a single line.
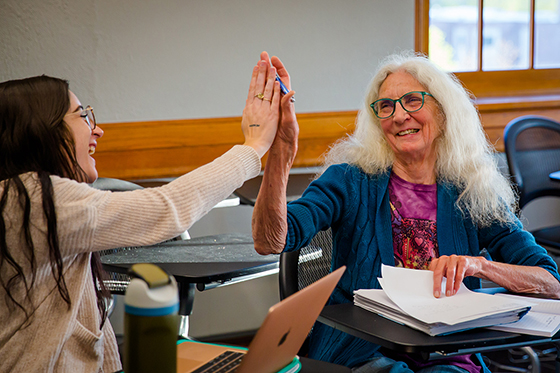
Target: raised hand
[(270, 213), (261, 113), (288, 130)]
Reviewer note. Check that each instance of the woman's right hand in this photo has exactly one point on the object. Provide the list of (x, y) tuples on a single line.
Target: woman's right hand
[(262, 108), (270, 225), (288, 131)]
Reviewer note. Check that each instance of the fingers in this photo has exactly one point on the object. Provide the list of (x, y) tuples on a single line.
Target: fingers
[(454, 268), (278, 64), (275, 103), (265, 57), (253, 83), (262, 81), (282, 72), (287, 103), (261, 115), (460, 273), (436, 267), (270, 80), (450, 275), (261, 78), (262, 110)]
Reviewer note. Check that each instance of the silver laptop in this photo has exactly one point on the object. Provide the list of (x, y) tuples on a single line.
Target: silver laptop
[(276, 343)]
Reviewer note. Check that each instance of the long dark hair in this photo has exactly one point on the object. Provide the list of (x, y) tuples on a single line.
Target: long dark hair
[(35, 138)]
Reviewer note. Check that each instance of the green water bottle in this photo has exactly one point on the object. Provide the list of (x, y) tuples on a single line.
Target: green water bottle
[(151, 321)]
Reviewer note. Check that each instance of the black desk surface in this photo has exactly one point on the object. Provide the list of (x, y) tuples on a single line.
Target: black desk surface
[(379, 330), (198, 260)]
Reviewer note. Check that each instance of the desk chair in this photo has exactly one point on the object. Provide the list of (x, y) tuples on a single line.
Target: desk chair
[(532, 145), (301, 268)]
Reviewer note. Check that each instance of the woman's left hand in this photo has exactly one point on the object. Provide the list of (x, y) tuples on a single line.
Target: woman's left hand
[(455, 268), (518, 279)]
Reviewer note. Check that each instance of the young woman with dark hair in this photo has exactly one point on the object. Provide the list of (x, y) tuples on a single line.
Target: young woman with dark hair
[(52, 223)]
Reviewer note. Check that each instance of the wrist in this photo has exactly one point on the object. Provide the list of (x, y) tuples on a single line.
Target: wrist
[(485, 268), (260, 148), (283, 152)]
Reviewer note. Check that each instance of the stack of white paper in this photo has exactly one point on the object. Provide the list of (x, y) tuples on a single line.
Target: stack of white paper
[(407, 298), (543, 319)]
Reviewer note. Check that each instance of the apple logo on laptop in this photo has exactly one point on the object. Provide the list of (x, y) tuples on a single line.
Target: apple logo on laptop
[(284, 337)]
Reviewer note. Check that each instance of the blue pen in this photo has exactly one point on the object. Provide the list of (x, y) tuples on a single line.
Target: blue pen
[(283, 88)]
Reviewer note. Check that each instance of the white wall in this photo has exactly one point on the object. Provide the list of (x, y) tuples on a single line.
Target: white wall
[(168, 59), (172, 59)]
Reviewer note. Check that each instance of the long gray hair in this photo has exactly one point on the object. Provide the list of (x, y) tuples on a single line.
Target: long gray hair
[(464, 156)]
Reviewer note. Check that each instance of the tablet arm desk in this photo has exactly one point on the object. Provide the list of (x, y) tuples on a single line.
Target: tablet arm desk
[(400, 338), (204, 263)]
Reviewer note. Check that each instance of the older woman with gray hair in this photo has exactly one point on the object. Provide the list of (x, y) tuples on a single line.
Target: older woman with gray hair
[(416, 185)]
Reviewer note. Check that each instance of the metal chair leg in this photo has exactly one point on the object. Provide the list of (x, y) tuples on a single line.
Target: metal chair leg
[(184, 327), (534, 358)]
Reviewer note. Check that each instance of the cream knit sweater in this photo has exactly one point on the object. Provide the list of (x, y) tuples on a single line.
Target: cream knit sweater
[(59, 339)]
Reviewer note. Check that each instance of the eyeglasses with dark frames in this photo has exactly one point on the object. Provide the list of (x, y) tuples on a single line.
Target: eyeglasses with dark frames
[(411, 102)]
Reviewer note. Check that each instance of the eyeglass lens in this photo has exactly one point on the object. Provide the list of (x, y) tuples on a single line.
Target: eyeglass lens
[(90, 117), (411, 102)]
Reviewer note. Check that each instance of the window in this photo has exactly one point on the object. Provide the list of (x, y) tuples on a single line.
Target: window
[(496, 47)]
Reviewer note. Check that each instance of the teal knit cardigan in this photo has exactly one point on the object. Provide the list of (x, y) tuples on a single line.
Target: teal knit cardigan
[(356, 206)]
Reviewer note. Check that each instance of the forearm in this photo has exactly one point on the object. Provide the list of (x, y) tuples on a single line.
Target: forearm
[(521, 279), (147, 216), (269, 221)]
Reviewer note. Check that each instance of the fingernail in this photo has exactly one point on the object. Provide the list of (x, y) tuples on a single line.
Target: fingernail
[(436, 294), (448, 293)]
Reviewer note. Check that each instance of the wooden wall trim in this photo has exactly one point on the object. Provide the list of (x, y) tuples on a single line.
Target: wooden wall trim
[(160, 149)]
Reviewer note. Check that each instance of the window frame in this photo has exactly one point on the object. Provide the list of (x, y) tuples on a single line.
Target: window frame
[(506, 83)]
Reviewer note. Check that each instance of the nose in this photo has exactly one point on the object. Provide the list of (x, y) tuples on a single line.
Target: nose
[(400, 115), (98, 132)]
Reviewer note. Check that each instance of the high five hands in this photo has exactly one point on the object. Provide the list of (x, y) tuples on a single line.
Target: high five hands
[(262, 114)]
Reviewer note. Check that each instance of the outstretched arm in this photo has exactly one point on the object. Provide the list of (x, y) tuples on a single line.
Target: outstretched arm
[(269, 221)]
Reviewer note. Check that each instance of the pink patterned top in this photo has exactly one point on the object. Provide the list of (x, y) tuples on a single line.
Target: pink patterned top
[(413, 219)]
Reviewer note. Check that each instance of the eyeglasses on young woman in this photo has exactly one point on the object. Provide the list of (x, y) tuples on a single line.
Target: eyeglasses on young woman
[(88, 116)]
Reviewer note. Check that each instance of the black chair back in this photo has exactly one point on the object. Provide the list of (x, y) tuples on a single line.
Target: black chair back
[(532, 145), (303, 267), (114, 185)]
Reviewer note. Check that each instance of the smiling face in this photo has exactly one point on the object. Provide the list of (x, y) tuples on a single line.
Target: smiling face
[(84, 138), (410, 135)]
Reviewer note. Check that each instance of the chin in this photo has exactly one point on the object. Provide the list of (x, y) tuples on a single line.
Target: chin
[(92, 178), (91, 175)]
